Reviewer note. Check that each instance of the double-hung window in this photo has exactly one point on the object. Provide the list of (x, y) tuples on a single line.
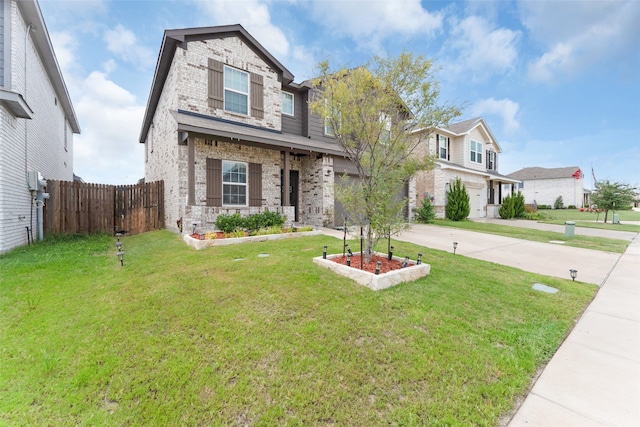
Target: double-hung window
[(234, 183), (236, 90), (443, 147), (476, 152), (287, 103)]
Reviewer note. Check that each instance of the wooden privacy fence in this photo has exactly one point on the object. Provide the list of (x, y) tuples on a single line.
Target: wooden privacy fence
[(75, 207)]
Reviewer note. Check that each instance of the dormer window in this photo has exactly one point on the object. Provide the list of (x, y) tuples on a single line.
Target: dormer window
[(287, 103)]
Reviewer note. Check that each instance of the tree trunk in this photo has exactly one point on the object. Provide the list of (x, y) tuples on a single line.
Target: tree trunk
[(606, 214), (368, 253)]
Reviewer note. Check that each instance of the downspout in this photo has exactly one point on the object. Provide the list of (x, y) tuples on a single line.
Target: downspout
[(26, 124)]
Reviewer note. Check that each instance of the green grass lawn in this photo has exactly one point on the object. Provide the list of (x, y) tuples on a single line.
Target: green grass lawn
[(592, 219), (224, 336), (586, 242)]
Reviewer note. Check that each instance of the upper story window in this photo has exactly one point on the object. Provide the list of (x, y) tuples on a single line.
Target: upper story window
[(491, 160), (443, 147), (234, 183), (476, 152), (236, 91), (287, 103), (328, 128), (385, 131)]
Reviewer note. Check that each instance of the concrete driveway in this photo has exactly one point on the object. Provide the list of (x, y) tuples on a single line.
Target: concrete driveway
[(542, 258)]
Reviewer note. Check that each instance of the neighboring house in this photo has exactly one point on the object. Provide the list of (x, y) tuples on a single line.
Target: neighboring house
[(469, 151), (37, 120), (228, 129), (542, 186)]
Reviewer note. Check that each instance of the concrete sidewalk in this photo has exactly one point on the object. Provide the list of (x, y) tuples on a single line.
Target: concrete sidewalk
[(579, 231), (594, 377)]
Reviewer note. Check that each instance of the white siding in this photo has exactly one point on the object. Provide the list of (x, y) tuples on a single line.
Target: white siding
[(37, 144)]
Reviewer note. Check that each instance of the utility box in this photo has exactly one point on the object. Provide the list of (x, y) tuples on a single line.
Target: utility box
[(616, 219), (569, 228), (32, 180)]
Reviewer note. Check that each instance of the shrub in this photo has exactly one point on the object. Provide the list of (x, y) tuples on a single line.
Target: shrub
[(268, 230), (425, 213), (507, 210), (519, 208), (230, 223), (558, 204), (544, 206), (571, 207), (457, 208), (534, 216)]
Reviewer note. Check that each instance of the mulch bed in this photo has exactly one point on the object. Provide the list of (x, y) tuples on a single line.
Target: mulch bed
[(371, 266)]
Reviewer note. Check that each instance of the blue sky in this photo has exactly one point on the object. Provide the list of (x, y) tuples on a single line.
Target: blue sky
[(558, 82)]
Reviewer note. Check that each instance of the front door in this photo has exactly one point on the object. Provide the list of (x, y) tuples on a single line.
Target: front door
[(293, 190)]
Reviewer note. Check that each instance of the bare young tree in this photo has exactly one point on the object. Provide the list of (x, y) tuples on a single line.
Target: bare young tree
[(370, 110)]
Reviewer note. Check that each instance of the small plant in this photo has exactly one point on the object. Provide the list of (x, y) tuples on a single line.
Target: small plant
[(534, 216), (425, 213), (210, 236), (507, 210), (48, 362), (519, 208), (571, 207), (268, 230), (304, 228), (558, 204), (235, 233)]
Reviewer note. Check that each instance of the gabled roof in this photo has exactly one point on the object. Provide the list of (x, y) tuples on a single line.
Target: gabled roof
[(32, 15), (465, 127), (174, 38), (544, 173)]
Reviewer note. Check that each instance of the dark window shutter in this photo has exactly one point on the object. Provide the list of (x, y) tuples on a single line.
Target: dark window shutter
[(495, 161), (488, 161), (255, 184), (437, 146), (448, 149), (214, 182), (216, 84), (257, 96)]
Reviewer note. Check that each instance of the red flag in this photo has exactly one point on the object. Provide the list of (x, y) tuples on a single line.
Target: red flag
[(577, 174)]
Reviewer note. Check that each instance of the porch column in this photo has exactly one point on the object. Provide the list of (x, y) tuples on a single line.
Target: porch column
[(191, 171), (286, 201)]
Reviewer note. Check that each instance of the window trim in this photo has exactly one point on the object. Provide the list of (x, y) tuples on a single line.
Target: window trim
[(225, 89), (293, 105), (245, 184), (475, 155)]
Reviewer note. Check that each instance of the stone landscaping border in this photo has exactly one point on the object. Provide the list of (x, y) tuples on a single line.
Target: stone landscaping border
[(201, 244), (376, 282)]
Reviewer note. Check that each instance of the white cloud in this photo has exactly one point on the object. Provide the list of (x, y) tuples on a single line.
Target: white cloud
[(582, 35), (369, 22), (480, 49), (123, 42), (254, 16), (64, 46), (505, 109), (108, 151)]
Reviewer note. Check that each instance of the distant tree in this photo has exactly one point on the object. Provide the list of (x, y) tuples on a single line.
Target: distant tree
[(369, 111), (612, 196), (457, 208), (558, 204)]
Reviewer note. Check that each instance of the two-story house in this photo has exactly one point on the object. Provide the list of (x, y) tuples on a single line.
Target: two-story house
[(37, 120), (228, 130), (469, 151)]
